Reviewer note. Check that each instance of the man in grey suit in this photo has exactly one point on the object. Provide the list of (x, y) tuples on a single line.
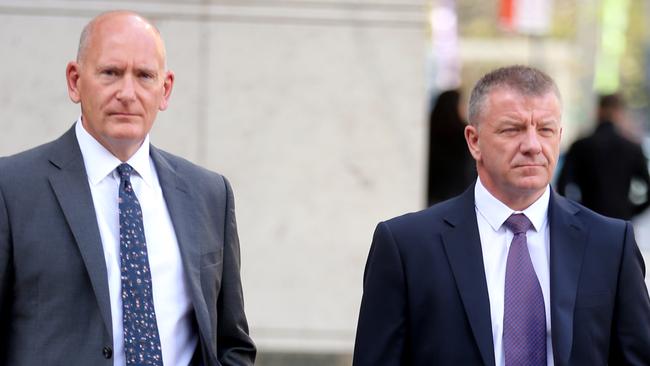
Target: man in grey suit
[(113, 252)]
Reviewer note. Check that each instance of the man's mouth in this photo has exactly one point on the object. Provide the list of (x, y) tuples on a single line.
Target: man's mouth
[(529, 165), (122, 114)]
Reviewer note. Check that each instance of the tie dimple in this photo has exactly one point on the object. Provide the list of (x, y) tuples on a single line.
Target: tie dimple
[(524, 314), (518, 223), (141, 338)]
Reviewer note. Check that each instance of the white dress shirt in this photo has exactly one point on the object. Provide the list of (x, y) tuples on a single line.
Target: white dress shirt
[(170, 291), (495, 242)]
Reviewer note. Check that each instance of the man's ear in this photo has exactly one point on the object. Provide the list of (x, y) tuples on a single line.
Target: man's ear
[(72, 78), (168, 85), (471, 136)]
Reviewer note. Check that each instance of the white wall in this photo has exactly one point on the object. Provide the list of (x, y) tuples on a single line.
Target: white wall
[(315, 110)]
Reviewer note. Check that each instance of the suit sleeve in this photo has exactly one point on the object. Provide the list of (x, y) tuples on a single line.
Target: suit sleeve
[(381, 330), (234, 345), (5, 278), (630, 339)]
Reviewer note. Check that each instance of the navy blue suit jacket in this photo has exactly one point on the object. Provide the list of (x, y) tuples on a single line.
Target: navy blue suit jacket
[(425, 299)]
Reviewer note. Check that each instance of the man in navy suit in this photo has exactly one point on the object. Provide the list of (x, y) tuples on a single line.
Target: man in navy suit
[(460, 283)]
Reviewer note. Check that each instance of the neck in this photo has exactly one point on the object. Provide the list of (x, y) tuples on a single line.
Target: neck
[(121, 150), (517, 200)]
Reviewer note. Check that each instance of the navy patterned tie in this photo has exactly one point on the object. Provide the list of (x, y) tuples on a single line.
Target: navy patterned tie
[(524, 315), (141, 339)]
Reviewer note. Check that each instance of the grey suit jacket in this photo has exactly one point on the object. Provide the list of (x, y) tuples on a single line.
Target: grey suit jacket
[(54, 300)]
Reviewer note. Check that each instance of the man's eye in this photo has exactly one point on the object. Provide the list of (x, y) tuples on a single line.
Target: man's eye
[(109, 72)]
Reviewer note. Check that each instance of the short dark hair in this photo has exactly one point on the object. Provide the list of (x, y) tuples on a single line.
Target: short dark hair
[(609, 105), (525, 80), (611, 101)]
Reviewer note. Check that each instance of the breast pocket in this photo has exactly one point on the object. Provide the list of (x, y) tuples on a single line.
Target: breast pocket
[(593, 299), (592, 324)]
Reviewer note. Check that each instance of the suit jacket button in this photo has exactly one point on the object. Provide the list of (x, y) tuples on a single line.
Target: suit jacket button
[(107, 352)]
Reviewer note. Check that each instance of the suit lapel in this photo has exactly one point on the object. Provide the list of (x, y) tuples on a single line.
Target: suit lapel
[(70, 185), (463, 248), (180, 204), (567, 241)]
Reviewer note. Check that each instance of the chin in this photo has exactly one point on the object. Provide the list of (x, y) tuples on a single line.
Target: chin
[(127, 134), (532, 184)]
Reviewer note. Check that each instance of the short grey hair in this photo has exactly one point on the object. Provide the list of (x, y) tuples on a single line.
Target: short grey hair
[(525, 80)]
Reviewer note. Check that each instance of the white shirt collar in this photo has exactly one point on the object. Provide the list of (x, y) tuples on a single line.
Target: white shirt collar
[(496, 212), (100, 162)]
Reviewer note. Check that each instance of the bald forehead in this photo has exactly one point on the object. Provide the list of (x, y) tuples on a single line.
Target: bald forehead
[(120, 18), (116, 20)]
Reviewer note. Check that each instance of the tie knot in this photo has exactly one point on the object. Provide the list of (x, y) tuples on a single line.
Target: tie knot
[(518, 223), (124, 170)]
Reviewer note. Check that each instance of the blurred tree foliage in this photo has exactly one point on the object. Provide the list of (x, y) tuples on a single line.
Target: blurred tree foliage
[(634, 65), (480, 19)]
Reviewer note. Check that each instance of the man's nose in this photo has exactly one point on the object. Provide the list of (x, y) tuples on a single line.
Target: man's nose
[(530, 143), (126, 92)]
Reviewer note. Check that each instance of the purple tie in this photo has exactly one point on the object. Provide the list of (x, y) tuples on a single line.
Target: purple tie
[(524, 316)]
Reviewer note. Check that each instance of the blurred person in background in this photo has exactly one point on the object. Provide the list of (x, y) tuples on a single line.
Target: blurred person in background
[(605, 171), (112, 251), (451, 167), (508, 273)]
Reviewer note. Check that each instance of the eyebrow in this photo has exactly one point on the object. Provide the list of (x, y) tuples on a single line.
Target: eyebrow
[(116, 66), (107, 66), (147, 70), (547, 122), (509, 122)]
